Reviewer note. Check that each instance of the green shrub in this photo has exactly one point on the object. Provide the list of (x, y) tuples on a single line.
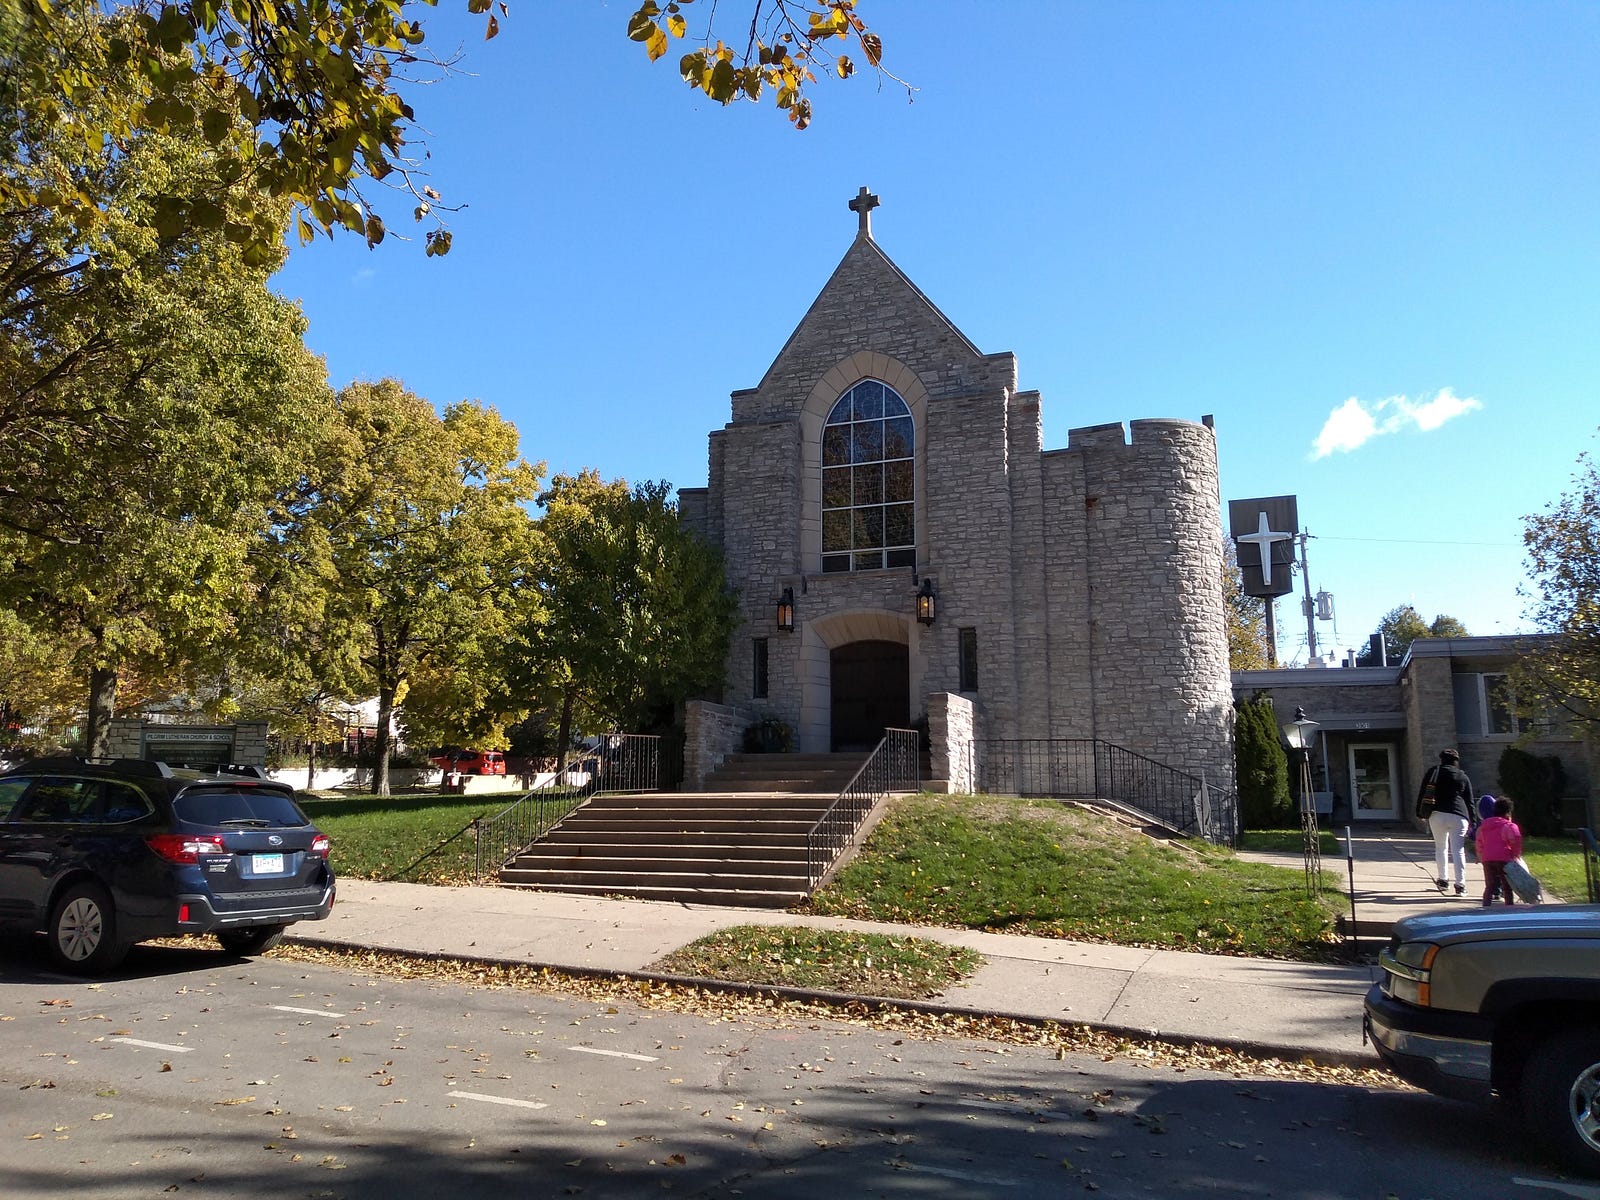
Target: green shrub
[(1535, 782), (769, 735), (1261, 767)]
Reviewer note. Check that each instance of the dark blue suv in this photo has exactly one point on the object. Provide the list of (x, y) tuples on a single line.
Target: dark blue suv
[(102, 853)]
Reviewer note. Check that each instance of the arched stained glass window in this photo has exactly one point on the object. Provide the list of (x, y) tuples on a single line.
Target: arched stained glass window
[(869, 481)]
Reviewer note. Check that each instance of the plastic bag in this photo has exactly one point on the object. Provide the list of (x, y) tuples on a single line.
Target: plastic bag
[(1523, 882)]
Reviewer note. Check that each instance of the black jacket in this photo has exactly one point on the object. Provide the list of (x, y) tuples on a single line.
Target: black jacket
[(1452, 791)]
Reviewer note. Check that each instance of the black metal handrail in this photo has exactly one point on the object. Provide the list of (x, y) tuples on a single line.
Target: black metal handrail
[(619, 762), (895, 765), (1091, 769), (1591, 864)]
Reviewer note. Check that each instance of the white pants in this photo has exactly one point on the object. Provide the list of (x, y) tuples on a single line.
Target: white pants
[(1449, 841)]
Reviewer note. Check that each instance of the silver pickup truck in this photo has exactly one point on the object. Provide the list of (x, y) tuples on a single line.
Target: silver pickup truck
[(1500, 1002)]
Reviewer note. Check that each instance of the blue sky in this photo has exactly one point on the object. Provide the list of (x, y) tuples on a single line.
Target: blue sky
[(1365, 237)]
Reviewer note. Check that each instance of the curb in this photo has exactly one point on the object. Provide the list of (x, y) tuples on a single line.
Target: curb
[(1244, 1046)]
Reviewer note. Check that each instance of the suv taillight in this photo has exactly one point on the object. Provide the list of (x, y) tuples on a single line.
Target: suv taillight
[(320, 845), (185, 847)]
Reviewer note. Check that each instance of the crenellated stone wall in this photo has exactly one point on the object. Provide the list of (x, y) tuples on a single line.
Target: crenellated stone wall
[(1136, 574)]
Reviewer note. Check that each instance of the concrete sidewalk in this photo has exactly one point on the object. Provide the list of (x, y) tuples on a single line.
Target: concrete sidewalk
[(1291, 1010), (1393, 873)]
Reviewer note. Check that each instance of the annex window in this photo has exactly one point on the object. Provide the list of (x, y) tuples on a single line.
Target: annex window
[(758, 681), (869, 481), (1499, 711), (967, 647), (1486, 706)]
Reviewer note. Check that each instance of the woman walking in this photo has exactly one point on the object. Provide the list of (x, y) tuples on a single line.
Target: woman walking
[(1445, 802)]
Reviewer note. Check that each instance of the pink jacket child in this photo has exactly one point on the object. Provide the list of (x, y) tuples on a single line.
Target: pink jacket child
[(1499, 842)]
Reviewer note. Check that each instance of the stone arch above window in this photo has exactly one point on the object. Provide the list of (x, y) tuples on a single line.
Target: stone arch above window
[(830, 387), (869, 481)]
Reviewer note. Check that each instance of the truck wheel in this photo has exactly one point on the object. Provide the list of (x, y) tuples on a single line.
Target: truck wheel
[(256, 940), (1561, 1097), (83, 930)]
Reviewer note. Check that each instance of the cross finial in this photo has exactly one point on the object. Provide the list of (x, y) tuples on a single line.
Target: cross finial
[(862, 206)]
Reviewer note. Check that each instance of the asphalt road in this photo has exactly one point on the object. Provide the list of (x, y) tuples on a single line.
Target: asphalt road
[(190, 1073)]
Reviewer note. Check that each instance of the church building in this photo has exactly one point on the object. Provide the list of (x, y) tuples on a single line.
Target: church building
[(905, 549)]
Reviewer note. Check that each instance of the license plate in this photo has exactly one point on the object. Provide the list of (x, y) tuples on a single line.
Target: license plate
[(266, 864)]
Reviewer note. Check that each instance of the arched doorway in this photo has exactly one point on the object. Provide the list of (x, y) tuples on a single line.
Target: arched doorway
[(871, 692)]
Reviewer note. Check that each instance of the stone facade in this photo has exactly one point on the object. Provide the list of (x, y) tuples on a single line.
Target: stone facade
[(711, 732), (1083, 583), (951, 730)]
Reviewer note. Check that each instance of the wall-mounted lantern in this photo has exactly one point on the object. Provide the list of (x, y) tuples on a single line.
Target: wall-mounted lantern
[(925, 601), (786, 610)]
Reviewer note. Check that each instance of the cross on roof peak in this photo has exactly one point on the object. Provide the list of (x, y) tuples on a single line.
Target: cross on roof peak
[(862, 206)]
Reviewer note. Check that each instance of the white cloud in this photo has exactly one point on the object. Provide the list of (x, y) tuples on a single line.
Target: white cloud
[(1346, 428), (1431, 414), (1353, 423)]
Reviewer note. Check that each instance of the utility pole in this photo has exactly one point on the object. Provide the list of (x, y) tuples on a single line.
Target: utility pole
[(1306, 605)]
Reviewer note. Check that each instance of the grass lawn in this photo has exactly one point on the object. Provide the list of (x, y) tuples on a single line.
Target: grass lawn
[(868, 964), (1290, 841), (423, 837), (1558, 865), (1039, 867)]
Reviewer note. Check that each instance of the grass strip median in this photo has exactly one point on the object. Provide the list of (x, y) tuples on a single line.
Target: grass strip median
[(863, 964)]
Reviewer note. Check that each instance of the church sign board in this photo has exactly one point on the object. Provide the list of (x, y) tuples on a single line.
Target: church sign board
[(1263, 531)]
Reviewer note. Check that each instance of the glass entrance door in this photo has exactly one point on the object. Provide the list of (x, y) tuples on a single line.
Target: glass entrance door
[(1373, 782)]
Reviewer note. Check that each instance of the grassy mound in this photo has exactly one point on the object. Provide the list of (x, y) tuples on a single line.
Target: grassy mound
[(1044, 868)]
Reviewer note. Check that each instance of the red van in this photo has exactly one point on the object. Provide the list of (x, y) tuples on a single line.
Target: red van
[(472, 762)]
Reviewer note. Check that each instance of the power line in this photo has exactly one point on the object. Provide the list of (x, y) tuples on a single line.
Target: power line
[(1418, 542)]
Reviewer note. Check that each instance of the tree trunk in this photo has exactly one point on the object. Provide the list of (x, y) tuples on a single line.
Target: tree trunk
[(380, 770), (311, 763), (564, 733), (102, 707)]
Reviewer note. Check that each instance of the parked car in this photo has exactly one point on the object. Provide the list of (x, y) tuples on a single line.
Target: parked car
[(1501, 1002), (471, 762), (100, 854)]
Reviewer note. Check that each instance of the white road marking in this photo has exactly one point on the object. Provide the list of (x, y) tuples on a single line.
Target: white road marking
[(613, 1053), (1566, 1189), (128, 1041), (309, 1012), (507, 1100)]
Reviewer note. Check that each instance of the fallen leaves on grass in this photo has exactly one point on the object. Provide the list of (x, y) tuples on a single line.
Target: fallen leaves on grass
[(860, 964)]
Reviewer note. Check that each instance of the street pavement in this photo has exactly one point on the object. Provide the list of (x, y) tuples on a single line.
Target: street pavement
[(1283, 1009)]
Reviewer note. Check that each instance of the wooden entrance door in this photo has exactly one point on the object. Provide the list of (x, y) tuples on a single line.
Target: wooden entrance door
[(871, 686)]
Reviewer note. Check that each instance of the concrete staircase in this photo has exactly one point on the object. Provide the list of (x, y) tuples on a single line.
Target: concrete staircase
[(740, 842), (747, 850)]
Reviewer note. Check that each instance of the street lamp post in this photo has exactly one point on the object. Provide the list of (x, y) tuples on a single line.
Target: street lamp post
[(1301, 735)]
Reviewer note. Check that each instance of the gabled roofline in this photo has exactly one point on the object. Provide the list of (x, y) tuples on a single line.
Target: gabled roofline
[(873, 247)]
